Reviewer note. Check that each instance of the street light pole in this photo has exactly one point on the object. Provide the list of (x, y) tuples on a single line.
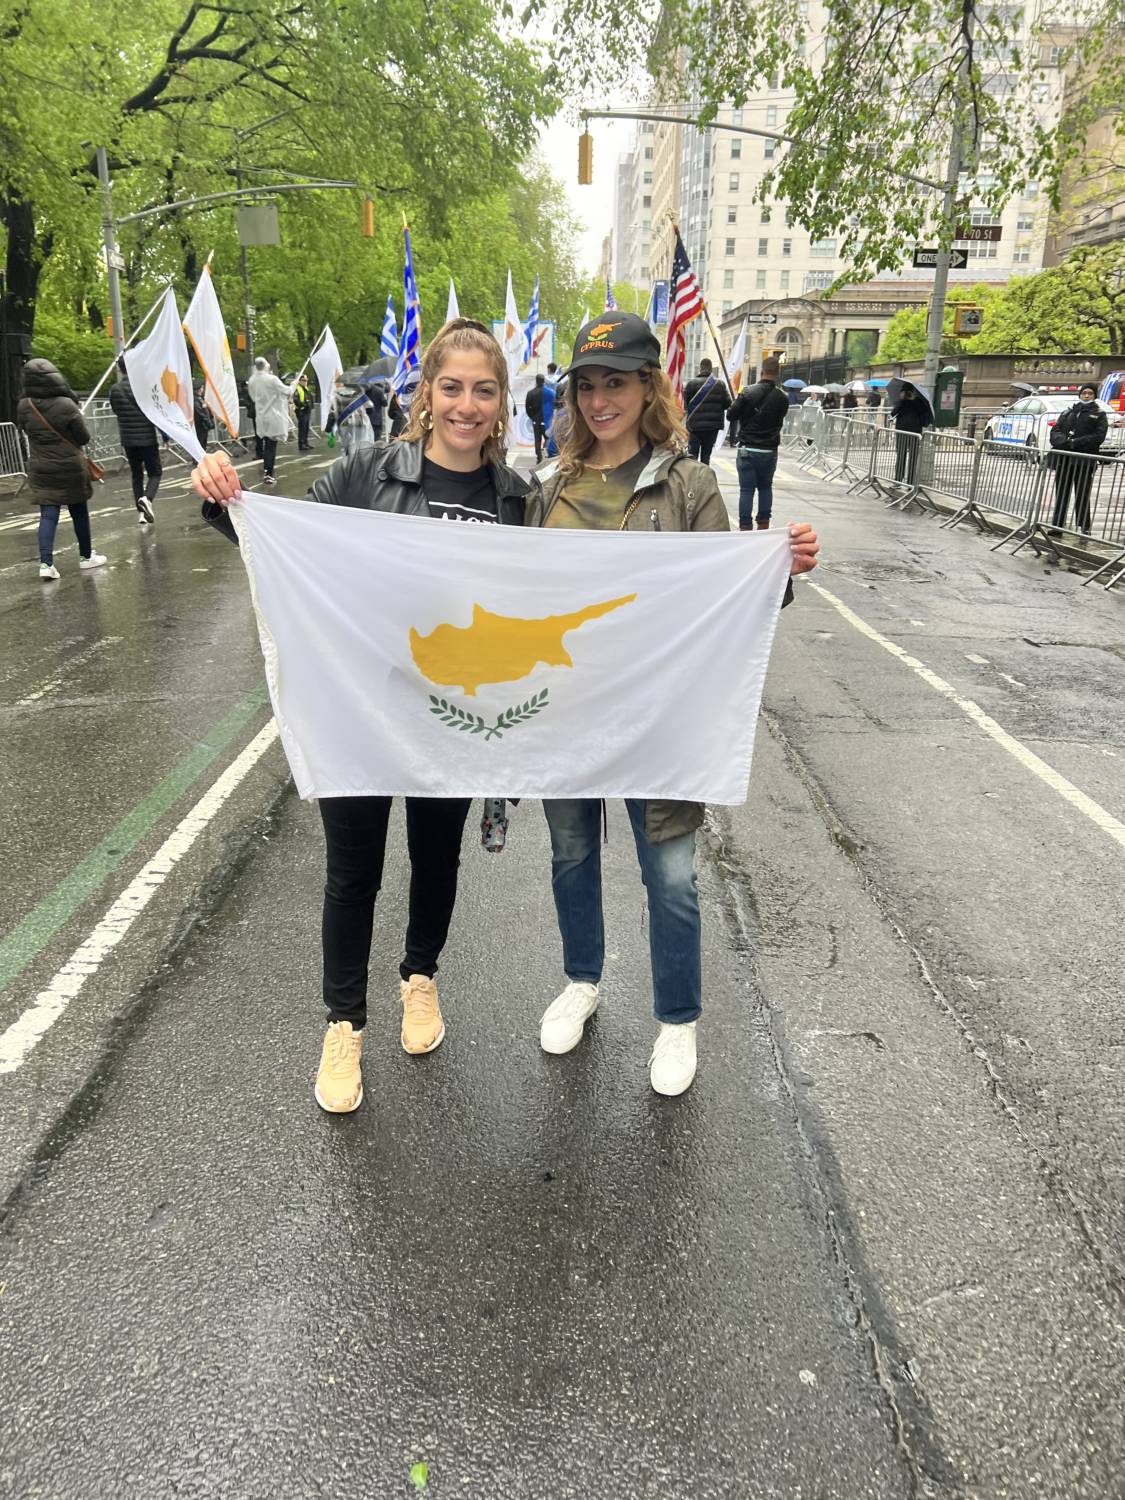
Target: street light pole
[(247, 309), (935, 324), (112, 258)]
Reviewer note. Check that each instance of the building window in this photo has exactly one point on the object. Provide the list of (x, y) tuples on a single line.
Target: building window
[(771, 116), (735, 150), (760, 281), (730, 246), (648, 153), (1025, 222), (737, 117), (785, 281), (770, 150), (763, 247), (728, 280), (732, 215), (1022, 255), (727, 305), (817, 281), (803, 9), (646, 226), (981, 249), (734, 182), (822, 248), (644, 273), (765, 214), (647, 179), (787, 247), (1054, 56)]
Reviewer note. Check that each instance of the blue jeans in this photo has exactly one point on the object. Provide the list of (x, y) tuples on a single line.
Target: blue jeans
[(755, 472), (668, 873), (49, 524)]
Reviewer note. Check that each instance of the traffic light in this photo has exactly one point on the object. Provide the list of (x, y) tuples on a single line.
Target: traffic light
[(585, 159), (109, 327), (968, 320), (240, 342), (367, 219)]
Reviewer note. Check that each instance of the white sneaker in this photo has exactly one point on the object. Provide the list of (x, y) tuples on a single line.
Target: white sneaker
[(48, 572), (148, 515), (560, 1030), (95, 560), (671, 1067)]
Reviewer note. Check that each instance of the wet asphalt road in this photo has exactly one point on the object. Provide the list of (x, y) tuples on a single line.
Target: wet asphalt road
[(875, 1251)]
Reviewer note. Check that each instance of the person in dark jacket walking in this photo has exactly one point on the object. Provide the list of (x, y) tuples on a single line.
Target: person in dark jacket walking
[(141, 444), (706, 400), (756, 420), (202, 420), (533, 405), (911, 415), (302, 406), (1075, 438), (449, 465), (56, 472)]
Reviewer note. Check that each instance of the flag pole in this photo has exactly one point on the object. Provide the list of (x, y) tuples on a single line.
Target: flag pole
[(131, 339), (715, 341), (312, 351)]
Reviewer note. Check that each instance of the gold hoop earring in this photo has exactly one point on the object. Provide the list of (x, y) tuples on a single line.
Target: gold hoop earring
[(426, 419), (498, 430)]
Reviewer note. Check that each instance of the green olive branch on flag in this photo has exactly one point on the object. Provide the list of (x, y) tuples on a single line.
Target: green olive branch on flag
[(469, 723)]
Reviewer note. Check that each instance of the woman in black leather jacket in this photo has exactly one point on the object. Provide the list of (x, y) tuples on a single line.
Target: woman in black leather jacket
[(450, 464)]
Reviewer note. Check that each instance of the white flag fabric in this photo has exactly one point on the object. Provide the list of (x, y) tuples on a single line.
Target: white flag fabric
[(734, 365), (406, 657), (514, 338), (451, 308), (160, 374), (326, 362), (203, 324)]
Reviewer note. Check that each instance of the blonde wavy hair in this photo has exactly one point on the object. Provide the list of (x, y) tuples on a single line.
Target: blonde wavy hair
[(461, 336), (662, 422)]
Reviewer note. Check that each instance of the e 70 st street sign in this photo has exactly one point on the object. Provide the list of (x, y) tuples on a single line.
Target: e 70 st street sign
[(958, 259)]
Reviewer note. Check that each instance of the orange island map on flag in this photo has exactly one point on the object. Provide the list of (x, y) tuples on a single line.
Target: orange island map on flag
[(410, 658)]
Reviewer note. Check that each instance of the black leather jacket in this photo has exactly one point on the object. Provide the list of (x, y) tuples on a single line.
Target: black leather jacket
[(387, 476)]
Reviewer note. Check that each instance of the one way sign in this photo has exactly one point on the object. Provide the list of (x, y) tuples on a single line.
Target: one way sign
[(927, 259)]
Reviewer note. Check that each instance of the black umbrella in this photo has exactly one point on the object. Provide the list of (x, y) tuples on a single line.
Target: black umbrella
[(380, 368), (894, 392)]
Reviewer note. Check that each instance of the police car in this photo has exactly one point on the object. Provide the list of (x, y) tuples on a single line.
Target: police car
[(1027, 423)]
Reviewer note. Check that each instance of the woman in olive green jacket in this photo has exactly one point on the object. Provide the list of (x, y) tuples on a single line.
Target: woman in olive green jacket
[(622, 467)]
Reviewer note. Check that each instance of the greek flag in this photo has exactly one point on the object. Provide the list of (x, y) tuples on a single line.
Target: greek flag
[(532, 323), (388, 339), (610, 299), (408, 355)]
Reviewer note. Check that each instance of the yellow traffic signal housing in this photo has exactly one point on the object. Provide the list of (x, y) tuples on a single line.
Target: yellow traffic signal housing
[(109, 327), (367, 219), (240, 343), (968, 320), (585, 159)]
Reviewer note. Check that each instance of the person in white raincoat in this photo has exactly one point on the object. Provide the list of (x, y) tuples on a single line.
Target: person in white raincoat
[(271, 411)]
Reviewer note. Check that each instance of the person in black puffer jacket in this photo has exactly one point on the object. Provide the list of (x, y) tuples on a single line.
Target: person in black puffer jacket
[(141, 442), (56, 472), (1075, 438), (706, 400), (756, 420), (449, 464)]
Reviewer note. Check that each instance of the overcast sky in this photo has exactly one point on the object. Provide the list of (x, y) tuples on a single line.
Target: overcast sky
[(592, 206)]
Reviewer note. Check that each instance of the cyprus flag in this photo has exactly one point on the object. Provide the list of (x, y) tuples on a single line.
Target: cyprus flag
[(160, 376), (407, 656)]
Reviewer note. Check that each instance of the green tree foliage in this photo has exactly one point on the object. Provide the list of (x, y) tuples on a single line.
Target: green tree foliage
[(426, 108), (1077, 307), (884, 85)]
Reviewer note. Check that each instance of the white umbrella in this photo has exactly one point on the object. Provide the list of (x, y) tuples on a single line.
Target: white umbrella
[(859, 386), (815, 390)]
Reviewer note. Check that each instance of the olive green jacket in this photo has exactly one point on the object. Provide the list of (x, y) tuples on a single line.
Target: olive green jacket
[(673, 493)]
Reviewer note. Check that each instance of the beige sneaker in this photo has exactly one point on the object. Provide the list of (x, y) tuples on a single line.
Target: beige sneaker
[(339, 1083), (422, 1025)]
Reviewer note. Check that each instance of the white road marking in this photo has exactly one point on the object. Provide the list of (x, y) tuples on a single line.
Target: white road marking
[(1027, 758), (981, 661), (1013, 680), (68, 670), (24, 1034)]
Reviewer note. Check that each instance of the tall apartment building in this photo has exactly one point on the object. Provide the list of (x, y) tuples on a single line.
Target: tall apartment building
[(747, 251), (1092, 191), (633, 221)]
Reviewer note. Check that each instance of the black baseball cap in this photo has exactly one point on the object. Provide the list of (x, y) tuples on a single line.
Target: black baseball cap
[(615, 341)]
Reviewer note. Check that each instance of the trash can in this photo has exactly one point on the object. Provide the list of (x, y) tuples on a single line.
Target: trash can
[(947, 397)]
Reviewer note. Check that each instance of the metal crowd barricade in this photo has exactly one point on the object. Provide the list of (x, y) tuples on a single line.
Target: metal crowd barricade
[(1081, 500), (13, 451), (105, 436)]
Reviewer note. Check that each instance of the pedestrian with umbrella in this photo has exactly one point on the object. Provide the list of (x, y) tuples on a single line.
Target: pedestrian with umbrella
[(911, 414)]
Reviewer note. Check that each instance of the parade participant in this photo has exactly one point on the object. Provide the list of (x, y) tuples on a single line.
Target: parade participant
[(271, 412), (448, 464), (622, 467), (140, 443), (706, 400), (57, 470), (757, 417)]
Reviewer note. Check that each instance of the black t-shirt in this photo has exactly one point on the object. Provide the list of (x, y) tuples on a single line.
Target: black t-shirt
[(453, 496)]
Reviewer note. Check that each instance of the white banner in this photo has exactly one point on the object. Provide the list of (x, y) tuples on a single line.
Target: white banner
[(160, 374), (203, 324), (326, 363), (410, 657)]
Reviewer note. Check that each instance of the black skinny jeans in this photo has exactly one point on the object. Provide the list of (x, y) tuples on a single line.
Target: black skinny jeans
[(700, 444), (142, 460), (269, 454), (355, 832)]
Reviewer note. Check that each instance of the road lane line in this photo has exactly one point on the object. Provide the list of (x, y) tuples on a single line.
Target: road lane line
[(28, 938), (68, 670), (23, 1035), (1027, 758)]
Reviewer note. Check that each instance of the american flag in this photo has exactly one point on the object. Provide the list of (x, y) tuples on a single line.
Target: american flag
[(610, 299), (408, 352), (686, 302)]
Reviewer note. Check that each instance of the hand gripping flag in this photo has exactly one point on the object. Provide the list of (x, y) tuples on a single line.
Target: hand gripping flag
[(409, 354), (388, 339), (686, 303), (325, 360), (409, 658), (203, 324), (160, 374), (532, 324)]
